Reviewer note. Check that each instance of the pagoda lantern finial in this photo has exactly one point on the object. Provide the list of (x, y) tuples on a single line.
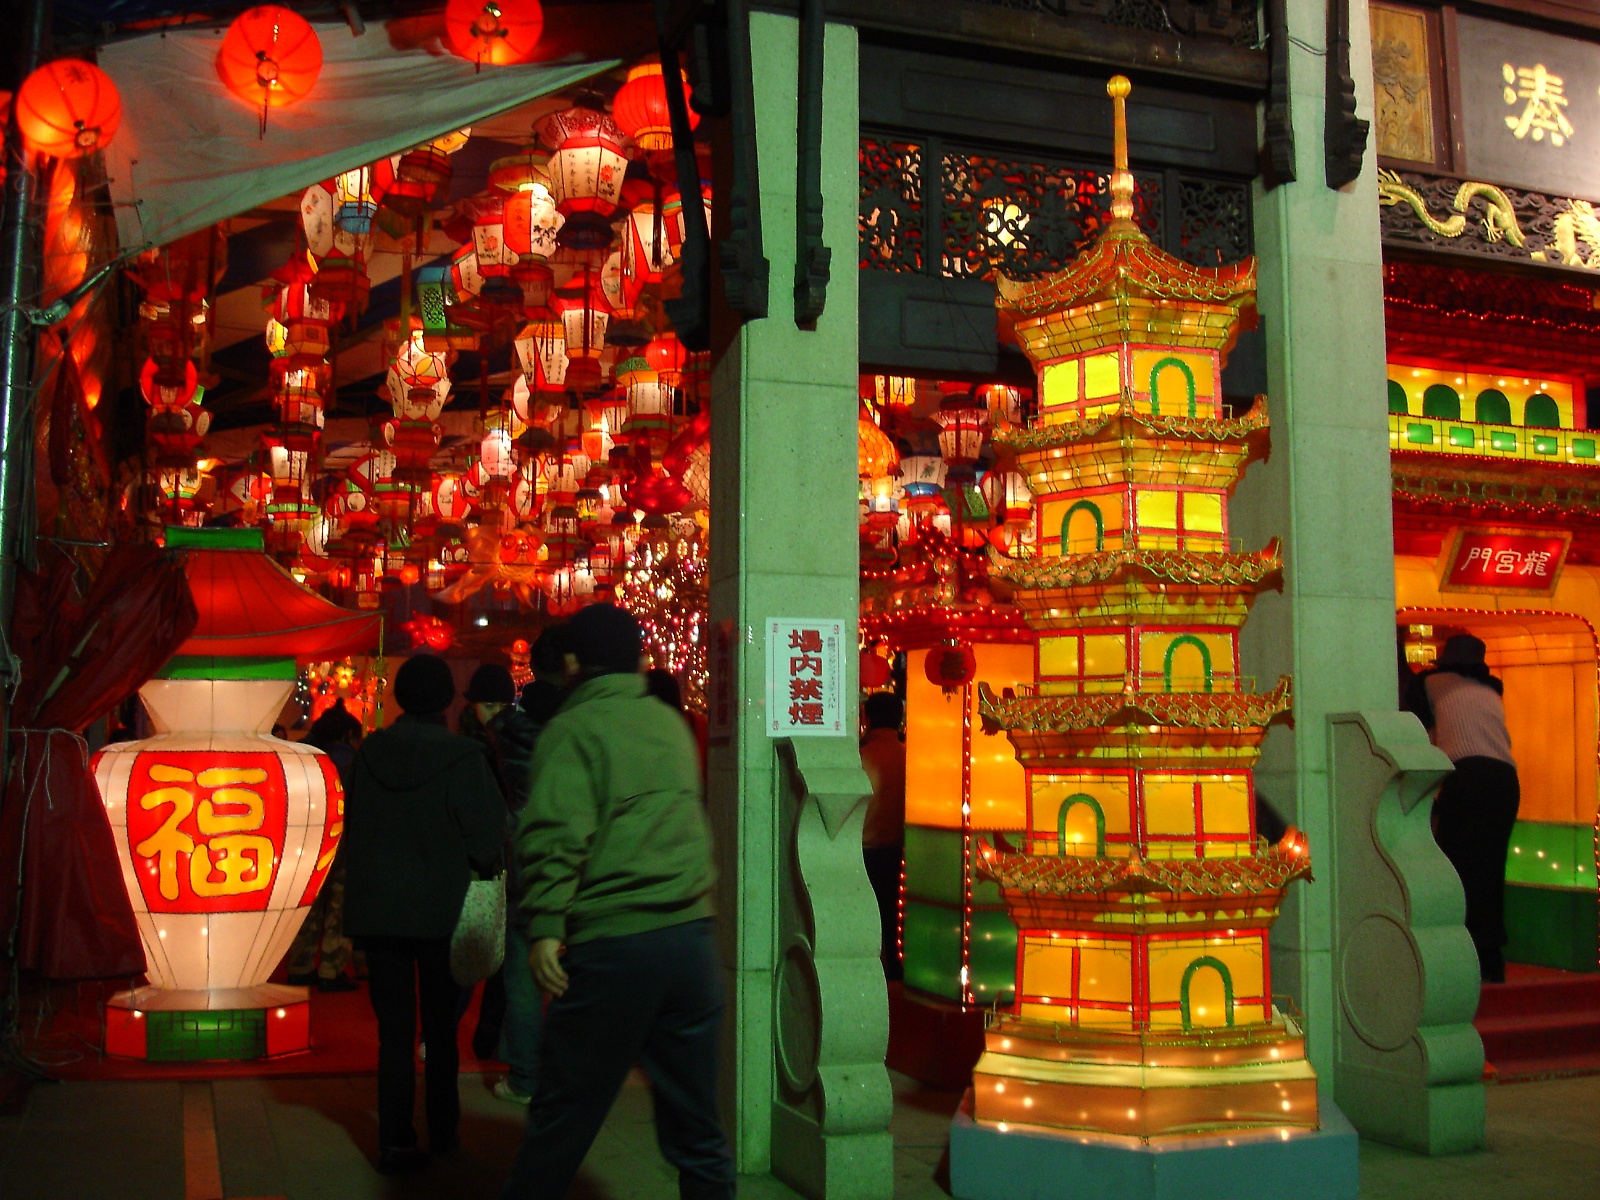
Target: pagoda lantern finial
[(1118, 87)]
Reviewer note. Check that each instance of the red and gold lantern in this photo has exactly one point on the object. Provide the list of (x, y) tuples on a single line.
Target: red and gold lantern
[(270, 57), (68, 108), (497, 32), (640, 108)]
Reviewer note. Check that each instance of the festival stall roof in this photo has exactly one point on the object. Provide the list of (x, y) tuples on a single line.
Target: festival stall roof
[(190, 153), (250, 607)]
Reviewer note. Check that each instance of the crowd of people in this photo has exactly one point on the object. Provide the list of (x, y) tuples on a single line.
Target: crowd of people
[(583, 792)]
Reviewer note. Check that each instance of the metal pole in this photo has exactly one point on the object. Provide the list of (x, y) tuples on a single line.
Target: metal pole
[(19, 263)]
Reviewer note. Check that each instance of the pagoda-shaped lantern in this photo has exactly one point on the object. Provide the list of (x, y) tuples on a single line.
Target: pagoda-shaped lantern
[(1140, 891)]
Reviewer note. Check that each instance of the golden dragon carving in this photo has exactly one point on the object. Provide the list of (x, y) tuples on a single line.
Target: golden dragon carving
[(1499, 218)]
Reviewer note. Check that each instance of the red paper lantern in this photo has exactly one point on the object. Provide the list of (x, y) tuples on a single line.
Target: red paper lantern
[(68, 108), (875, 671), (950, 665), (640, 108), (500, 32), (270, 57)]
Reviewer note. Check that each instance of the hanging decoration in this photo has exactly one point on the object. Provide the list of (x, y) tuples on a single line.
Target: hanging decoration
[(270, 57), (67, 108), (497, 32), (640, 108)]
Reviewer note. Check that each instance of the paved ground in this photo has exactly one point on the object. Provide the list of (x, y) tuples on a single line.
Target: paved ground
[(312, 1139)]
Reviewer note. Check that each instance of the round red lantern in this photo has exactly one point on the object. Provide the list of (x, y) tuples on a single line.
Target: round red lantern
[(499, 32), (640, 108), (875, 671), (270, 57), (68, 108), (950, 665)]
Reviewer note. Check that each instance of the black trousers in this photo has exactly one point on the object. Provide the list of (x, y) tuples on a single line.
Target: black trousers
[(883, 872), (400, 971), (1474, 814), (654, 998)]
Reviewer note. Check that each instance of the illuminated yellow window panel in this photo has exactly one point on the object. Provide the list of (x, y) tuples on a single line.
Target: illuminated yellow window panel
[(1156, 509), (1105, 974), (1051, 792), (1104, 654), (1102, 377), (1517, 387), (1203, 512), (1193, 969), (1225, 806), (1177, 383), (1058, 658), (1169, 807), (1203, 366), (999, 786), (1047, 968), (1058, 387), (1106, 1018), (1056, 1014), (933, 751)]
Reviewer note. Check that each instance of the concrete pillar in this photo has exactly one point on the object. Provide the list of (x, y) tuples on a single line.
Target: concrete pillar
[(805, 1091), (1325, 490)]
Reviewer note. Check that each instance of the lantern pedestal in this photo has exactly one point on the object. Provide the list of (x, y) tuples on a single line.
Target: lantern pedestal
[(936, 1042), (1012, 1162), (234, 1024)]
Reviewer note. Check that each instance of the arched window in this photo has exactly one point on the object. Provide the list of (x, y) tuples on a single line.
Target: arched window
[(1493, 408), (1075, 801), (1186, 639), (1088, 514), (1397, 398), (1542, 412), (1185, 989), (1441, 400), (1177, 364)]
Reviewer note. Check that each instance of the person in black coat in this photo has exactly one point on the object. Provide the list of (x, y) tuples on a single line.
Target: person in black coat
[(423, 817)]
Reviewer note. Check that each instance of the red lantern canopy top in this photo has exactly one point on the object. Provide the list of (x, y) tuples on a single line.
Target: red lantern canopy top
[(499, 32), (68, 108), (640, 108), (270, 56)]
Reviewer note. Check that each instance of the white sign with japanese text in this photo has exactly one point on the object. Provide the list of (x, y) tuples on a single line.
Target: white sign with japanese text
[(805, 678)]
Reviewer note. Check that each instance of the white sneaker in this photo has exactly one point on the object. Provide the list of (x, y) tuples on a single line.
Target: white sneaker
[(504, 1091)]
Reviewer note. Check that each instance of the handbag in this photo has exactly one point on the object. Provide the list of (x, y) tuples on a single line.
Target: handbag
[(478, 944)]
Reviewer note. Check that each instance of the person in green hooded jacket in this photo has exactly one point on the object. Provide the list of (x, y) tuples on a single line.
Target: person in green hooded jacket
[(615, 876)]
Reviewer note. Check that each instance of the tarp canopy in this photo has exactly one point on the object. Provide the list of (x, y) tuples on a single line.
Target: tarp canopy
[(250, 607), (188, 152)]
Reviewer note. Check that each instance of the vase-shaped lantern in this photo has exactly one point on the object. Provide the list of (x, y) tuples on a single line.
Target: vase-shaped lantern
[(225, 833)]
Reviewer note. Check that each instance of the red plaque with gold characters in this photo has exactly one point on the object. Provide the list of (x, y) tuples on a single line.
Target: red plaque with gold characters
[(1503, 560)]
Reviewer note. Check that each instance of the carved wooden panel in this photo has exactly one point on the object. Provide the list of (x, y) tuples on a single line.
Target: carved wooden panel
[(1403, 91)]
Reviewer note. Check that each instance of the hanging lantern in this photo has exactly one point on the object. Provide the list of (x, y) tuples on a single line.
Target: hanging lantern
[(672, 208), (640, 108), (482, 267), (542, 352), (609, 411), (649, 400), (244, 493), (184, 494), (875, 452), (963, 422), (450, 504), (889, 391), (499, 32), (587, 163), (585, 316), (415, 182), (413, 444), (527, 493), (875, 671), (68, 108), (532, 222), (645, 252), (1007, 496), (922, 476), (1004, 404), (418, 381), (667, 355), (270, 57), (950, 665)]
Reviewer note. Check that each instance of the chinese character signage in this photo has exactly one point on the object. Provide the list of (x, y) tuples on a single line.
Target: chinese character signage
[(1498, 560), (719, 695), (1531, 107), (805, 678)]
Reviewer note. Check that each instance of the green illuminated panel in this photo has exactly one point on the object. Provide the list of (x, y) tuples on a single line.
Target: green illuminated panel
[(1551, 927), (1582, 447), (228, 1033), (933, 864), (1499, 439), (993, 957), (1547, 854), (1545, 445), (1462, 437), (933, 949), (1421, 435)]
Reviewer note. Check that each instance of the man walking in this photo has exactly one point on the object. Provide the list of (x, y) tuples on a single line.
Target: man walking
[(615, 860)]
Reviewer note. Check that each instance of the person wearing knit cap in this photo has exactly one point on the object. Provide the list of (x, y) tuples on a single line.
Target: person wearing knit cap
[(1462, 706), (614, 857), (423, 817)]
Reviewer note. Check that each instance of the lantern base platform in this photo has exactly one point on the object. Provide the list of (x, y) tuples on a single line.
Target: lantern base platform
[(225, 1024), (935, 1041), (1030, 1163)]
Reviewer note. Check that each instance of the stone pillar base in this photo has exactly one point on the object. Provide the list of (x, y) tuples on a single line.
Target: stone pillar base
[(839, 1166), (1027, 1164)]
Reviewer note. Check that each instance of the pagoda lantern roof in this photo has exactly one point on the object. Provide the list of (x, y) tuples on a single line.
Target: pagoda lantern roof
[(1125, 288)]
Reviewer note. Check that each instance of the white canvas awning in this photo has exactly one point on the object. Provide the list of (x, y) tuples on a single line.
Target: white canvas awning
[(188, 154)]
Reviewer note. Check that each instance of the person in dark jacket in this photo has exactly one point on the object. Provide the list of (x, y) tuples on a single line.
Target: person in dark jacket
[(321, 951), (1461, 705), (423, 816)]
